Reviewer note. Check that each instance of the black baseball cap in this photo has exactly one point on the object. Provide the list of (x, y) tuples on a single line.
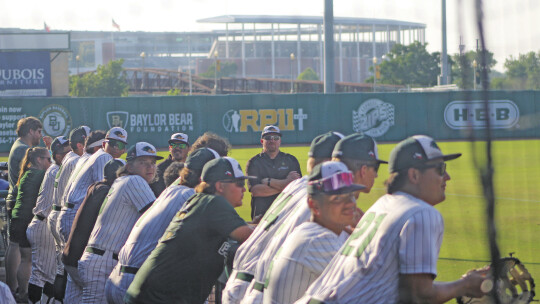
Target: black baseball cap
[(59, 143), (79, 135), (109, 171), (223, 169), (142, 149), (331, 177), (415, 151), (323, 145), (198, 158), (357, 146)]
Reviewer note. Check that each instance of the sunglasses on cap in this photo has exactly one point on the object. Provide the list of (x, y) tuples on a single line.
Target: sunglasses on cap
[(334, 182), (440, 168), (272, 137), (237, 182), (116, 143), (178, 145)]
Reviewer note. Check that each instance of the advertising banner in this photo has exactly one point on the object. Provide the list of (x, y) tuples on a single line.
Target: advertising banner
[(241, 118), (25, 74)]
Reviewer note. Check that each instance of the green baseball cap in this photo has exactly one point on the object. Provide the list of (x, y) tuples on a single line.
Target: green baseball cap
[(198, 158), (323, 145), (357, 146), (223, 169), (415, 151)]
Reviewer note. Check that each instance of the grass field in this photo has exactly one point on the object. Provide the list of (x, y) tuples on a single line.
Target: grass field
[(465, 245)]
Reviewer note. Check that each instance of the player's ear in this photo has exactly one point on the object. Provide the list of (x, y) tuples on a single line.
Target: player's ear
[(413, 175), (313, 205), (219, 188)]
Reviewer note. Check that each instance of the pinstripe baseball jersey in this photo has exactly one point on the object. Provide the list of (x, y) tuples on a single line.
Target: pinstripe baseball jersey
[(62, 176), (90, 172), (146, 232), (46, 192), (398, 234), (303, 257), (5, 294), (119, 212), (250, 251)]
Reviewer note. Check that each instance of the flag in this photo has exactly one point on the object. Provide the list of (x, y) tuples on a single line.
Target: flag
[(114, 24), (46, 27)]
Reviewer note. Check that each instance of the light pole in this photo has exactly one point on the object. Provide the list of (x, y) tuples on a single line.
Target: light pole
[(77, 59), (374, 73), (190, 87), (292, 84), (143, 55), (215, 71), (474, 65)]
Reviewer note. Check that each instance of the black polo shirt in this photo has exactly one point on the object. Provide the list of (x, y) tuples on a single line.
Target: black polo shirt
[(262, 166)]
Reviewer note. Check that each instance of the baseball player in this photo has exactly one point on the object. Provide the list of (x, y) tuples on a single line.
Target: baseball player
[(249, 252), (311, 246), (83, 224), (113, 146), (178, 151), (129, 197), (38, 234), (190, 256), (77, 139), (152, 224), (359, 153), (392, 254)]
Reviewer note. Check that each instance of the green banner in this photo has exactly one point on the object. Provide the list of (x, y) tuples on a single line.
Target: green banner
[(301, 117)]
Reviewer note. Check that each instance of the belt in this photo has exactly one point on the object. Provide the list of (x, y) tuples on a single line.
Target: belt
[(39, 217), (70, 205), (57, 208), (128, 269), (100, 252), (258, 286), (315, 301), (244, 276)]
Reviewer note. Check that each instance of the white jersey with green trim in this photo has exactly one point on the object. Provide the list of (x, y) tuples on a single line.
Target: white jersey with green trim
[(248, 254), (300, 261), (399, 234)]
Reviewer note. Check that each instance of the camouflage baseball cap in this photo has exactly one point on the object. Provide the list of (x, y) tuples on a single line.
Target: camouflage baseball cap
[(223, 169), (117, 133), (415, 151), (323, 145), (142, 149), (357, 146), (198, 158)]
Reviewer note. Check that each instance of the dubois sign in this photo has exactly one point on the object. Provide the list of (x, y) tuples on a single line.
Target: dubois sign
[(503, 114), (25, 74)]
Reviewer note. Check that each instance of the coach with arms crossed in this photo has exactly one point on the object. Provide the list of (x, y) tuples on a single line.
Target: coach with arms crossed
[(274, 171)]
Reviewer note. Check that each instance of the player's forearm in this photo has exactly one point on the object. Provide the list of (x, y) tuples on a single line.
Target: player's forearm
[(423, 290)]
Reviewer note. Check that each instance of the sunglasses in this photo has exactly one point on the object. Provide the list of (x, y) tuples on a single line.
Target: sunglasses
[(178, 145), (115, 143), (334, 182), (237, 182), (440, 168), (272, 137)]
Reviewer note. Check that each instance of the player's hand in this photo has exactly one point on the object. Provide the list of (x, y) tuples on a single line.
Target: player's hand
[(292, 176), (47, 140), (477, 282), (256, 220)]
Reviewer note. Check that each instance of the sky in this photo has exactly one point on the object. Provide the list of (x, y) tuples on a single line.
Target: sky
[(512, 27)]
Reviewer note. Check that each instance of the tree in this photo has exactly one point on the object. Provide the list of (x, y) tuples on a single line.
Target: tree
[(462, 70), (409, 65), (308, 74), (522, 73), (226, 69), (107, 80)]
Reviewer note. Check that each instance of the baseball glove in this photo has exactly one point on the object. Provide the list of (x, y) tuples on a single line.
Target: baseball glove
[(515, 285)]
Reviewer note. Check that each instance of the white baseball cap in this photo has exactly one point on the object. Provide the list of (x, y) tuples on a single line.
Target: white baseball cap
[(117, 133), (142, 149), (179, 137)]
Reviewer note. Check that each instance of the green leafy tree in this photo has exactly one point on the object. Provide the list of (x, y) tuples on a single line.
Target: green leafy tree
[(227, 69), (463, 68), (107, 80), (308, 74), (409, 65), (174, 92)]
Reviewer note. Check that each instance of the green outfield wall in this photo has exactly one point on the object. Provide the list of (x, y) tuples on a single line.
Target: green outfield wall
[(240, 118)]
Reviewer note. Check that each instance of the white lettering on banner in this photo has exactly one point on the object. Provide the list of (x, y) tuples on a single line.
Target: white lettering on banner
[(503, 114), (374, 117), (8, 124), (151, 123)]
